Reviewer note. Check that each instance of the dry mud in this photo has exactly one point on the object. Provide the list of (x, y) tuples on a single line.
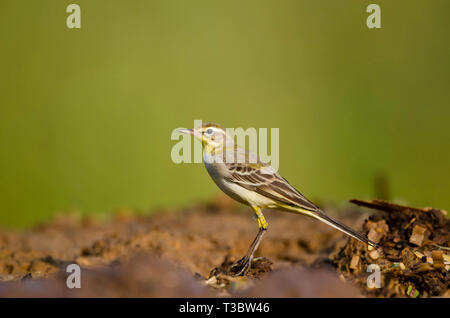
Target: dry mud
[(188, 254)]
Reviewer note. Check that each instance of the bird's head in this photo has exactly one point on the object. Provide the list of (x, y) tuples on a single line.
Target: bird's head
[(211, 135)]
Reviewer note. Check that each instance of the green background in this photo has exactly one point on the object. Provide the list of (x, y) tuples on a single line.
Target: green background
[(86, 115)]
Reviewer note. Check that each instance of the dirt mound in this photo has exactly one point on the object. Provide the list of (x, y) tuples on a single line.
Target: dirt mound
[(411, 256), (187, 253), (140, 276)]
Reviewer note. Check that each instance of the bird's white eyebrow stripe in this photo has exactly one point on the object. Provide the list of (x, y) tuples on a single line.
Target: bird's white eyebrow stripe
[(215, 129)]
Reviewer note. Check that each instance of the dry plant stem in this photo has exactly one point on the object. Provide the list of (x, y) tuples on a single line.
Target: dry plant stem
[(389, 207)]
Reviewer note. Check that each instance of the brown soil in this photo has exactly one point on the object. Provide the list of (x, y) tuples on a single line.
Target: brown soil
[(188, 254)]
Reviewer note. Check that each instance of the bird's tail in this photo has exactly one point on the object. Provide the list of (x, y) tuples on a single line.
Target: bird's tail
[(321, 216)]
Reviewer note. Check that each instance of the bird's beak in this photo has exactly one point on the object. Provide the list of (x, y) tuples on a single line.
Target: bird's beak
[(186, 131)]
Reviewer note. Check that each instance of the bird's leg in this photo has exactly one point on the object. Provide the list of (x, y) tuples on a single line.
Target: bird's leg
[(243, 265)]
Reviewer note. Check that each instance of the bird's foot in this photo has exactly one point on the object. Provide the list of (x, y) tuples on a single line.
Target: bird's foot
[(241, 267)]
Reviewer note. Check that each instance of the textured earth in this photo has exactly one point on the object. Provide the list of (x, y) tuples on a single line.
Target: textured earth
[(188, 253)]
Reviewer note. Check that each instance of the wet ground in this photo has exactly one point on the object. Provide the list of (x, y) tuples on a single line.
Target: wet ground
[(188, 253)]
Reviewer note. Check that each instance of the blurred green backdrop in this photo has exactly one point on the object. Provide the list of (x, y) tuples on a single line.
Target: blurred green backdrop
[(86, 115)]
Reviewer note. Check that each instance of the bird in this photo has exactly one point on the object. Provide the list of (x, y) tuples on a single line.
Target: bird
[(247, 179)]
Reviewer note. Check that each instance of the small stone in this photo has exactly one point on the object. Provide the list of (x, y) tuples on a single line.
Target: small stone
[(211, 281), (417, 235), (438, 259), (402, 266), (354, 262), (374, 254), (377, 231)]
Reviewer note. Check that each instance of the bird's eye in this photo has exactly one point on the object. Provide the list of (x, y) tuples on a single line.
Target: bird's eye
[(209, 131)]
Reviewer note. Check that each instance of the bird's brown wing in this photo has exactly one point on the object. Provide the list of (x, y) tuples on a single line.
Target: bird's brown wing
[(262, 179)]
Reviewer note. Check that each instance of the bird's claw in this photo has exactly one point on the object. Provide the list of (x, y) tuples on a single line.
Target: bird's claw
[(241, 267)]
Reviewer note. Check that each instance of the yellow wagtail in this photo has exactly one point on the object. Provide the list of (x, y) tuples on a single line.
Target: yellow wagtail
[(245, 178)]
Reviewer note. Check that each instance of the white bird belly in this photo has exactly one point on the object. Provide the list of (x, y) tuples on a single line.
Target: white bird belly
[(236, 191)]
